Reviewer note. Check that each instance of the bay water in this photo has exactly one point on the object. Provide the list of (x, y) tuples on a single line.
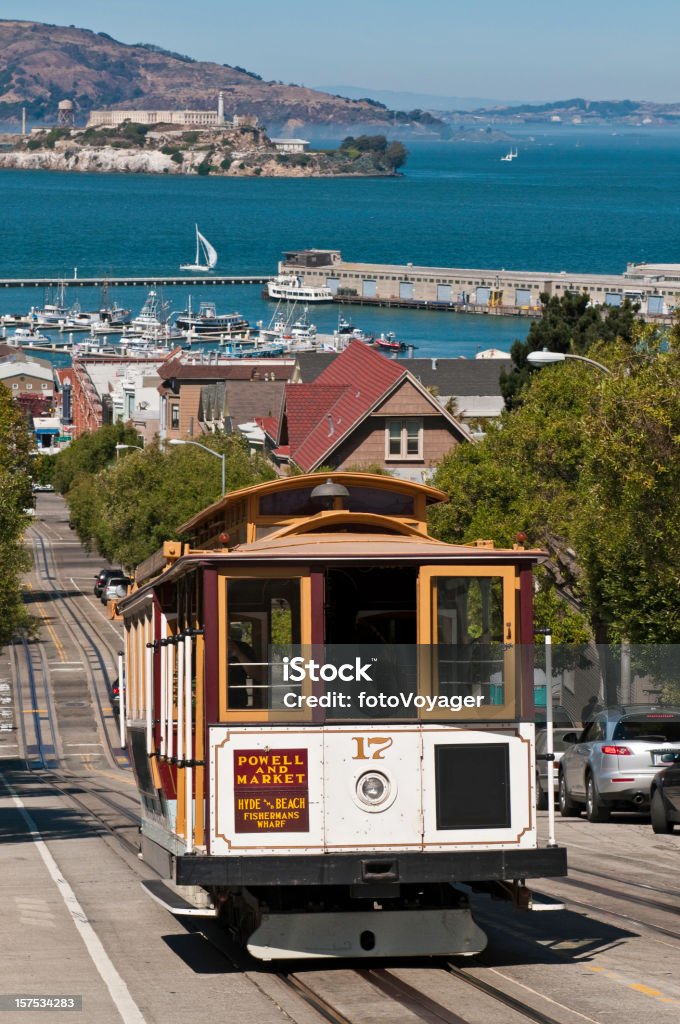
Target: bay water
[(576, 199)]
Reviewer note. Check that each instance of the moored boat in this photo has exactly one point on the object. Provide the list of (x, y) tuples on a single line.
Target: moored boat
[(208, 321), (293, 289)]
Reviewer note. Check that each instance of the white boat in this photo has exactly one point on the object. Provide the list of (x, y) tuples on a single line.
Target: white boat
[(292, 289), (512, 155), (28, 336), (302, 328), (149, 318), (205, 250)]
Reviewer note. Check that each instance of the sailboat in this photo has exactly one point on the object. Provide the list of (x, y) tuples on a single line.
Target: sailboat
[(512, 155), (203, 249)]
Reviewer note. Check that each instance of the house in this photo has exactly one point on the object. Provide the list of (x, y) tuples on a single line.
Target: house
[(200, 398), (470, 388), (27, 378), (363, 410)]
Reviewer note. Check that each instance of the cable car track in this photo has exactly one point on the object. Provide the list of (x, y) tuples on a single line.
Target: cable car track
[(88, 640), (46, 752)]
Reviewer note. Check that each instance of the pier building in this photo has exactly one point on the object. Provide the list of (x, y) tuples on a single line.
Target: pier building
[(656, 287)]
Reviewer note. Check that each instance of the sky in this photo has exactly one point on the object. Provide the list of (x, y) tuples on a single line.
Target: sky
[(529, 50)]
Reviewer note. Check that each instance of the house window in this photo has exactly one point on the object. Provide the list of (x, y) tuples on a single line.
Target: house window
[(15, 387), (404, 439), (174, 416), (28, 386)]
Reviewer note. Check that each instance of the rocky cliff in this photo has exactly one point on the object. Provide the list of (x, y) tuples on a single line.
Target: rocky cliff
[(231, 152)]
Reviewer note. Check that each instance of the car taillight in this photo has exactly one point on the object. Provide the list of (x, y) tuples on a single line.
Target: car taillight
[(618, 751)]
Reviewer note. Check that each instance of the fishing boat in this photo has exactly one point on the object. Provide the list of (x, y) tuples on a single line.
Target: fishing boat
[(209, 321), (204, 251), (302, 328), (149, 317), (293, 289)]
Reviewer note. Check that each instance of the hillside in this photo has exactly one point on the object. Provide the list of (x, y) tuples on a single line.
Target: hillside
[(576, 111), (43, 64)]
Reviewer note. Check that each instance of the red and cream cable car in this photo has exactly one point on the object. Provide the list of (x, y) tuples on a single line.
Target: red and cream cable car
[(330, 716)]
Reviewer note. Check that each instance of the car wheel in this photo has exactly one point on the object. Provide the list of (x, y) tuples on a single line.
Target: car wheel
[(568, 809), (660, 823), (595, 809), (541, 797)]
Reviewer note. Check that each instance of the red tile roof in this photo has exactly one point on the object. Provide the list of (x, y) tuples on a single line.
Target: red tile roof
[(320, 414)]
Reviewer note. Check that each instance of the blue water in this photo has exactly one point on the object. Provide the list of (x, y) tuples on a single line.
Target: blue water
[(576, 199)]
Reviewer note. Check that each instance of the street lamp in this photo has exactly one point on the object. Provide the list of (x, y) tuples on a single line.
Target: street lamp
[(211, 451), (119, 447), (543, 358)]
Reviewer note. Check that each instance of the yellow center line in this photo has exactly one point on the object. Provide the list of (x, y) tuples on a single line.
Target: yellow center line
[(636, 986), (55, 639)]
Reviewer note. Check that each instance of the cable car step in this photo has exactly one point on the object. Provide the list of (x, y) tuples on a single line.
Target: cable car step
[(172, 901)]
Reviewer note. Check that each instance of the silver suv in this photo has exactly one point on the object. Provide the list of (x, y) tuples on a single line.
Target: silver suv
[(612, 763)]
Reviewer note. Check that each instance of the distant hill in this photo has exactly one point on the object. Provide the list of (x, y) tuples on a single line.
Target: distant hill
[(577, 110), (412, 100), (43, 64)]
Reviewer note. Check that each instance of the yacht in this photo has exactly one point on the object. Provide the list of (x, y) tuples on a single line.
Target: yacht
[(293, 289)]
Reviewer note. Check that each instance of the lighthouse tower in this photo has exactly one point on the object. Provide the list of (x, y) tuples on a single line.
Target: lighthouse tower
[(220, 108)]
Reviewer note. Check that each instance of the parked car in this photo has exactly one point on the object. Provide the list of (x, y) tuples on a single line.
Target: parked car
[(37, 488), (559, 746), (665, 796), (612, 763), (116, 588), (102, 578)]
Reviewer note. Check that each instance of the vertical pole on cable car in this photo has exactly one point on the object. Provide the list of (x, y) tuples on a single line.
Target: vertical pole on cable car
[(549, 737), (121, 699), (188, 744)]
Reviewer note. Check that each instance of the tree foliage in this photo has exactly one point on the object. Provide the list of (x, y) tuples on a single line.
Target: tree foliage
[(128, 508), (568, 324), (15, 497), (588, 468)]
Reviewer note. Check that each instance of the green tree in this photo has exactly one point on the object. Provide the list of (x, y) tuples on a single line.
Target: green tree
[(15, 497), (89, 453), (128, 509), (568, 324)]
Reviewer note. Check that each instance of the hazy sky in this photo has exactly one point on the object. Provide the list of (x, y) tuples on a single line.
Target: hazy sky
[(526, 49)]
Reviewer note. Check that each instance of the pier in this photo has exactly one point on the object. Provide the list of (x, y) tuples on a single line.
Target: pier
[(145, 281), (654, 287)]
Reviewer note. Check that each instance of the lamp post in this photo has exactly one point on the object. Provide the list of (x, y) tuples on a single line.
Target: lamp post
[(120, 447), (211, 451), (544, 358)]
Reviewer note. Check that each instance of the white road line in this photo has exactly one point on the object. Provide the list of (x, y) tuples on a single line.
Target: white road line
[(118, 990), (118, 632)]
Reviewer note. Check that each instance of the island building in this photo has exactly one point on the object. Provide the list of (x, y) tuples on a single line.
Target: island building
[(189, 118), (291, 145), (655, 286)]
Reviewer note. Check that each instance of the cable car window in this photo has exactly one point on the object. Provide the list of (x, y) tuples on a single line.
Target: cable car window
[(263, 624), (470, 647)]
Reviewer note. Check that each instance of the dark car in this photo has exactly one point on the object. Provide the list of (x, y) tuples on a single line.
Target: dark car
[(665, 796), (115, 697), (102, 578)]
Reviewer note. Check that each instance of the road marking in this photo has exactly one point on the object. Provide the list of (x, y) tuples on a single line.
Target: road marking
[(636, 986), (83, 745), (35, 711), (541, 995), (108, 622), (118, 990)]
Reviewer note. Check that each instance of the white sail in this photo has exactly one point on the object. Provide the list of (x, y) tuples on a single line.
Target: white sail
[(209, 251), (209, 254)]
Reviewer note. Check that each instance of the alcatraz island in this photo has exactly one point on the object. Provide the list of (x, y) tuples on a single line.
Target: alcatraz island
[(201, 142)]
